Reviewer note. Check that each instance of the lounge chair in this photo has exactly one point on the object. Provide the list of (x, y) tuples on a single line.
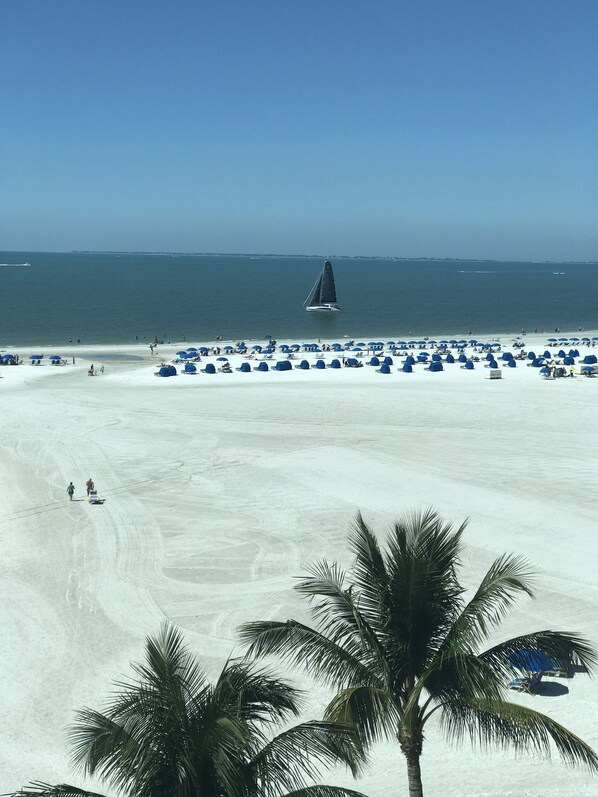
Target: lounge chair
[(528, 684)]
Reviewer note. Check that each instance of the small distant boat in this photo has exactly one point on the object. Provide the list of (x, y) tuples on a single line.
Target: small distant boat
[(323, 295), (14, 265)]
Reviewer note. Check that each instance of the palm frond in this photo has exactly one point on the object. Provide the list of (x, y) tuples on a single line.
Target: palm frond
[(504, 724), (507, 578), (298, 755), (319, 790), (39, 789), (301, 645), (424, 594), (254, 694), (369, 572), (560, 646), (371, 710), (339, 616)]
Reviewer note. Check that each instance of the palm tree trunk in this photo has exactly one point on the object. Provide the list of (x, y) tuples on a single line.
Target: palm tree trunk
[(414, 775)]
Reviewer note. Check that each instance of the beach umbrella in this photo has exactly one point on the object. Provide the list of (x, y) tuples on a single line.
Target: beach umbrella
[(585, 340), (55, 357), (453, 342), (462, 340), (191, 348), (563, 339), (473, 341), (390, 343), (576, 340), (531, 660), (222, 359), (226, 348), (181, 354), (36, 357), (552, 340), (422, 357), (203, 349), (256, 348), (432, 342)]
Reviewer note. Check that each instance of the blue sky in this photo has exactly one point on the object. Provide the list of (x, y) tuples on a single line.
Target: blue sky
[(458, 128)]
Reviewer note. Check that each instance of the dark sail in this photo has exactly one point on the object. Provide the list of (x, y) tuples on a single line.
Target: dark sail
[(327, 289), (323, 294)]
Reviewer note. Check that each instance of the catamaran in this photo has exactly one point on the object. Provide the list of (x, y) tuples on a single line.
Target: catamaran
[(323, 294)]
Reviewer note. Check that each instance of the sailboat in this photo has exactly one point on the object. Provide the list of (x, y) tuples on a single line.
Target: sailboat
[(323, 294)]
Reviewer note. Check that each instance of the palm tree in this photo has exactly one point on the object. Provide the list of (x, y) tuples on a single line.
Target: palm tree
[(171, 733), (400, 641)]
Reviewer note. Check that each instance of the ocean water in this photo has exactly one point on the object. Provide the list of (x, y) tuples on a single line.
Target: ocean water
[(110, 298)]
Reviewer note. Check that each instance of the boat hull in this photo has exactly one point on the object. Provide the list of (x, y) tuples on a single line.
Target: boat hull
[(324, 308)]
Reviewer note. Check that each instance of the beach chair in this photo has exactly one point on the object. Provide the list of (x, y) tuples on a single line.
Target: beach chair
[(528, 684), (93, 497)]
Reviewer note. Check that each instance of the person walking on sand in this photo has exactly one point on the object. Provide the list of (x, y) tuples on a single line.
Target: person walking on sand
[(89, 485), (70, 490)]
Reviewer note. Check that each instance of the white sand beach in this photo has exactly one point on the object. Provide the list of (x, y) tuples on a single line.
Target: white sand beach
[(219, 489)]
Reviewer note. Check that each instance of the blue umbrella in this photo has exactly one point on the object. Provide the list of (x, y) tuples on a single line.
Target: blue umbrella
[(531, 660), (55, 357), (191, 348), (181, 354), (222, 359), (36, 357)]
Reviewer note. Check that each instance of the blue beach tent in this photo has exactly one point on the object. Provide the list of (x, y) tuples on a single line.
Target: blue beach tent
[(209, 369), (512, 363), (374, 361), (163, 371), (244, 368), (388, 360), (303, 365), (435, 366), (283, 365), (335, 363), (263, 366), (449, 358), (493, 364), (319, 364), (407, 368), (189, 369), (384, 369), (469, 365), (462, 358), (172, 369), (409, 360), (436, 358)]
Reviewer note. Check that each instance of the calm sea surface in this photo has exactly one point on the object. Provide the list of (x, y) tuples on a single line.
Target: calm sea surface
[(104, 298)]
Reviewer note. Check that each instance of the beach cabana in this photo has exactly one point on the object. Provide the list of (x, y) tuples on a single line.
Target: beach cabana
[(189, 368), (263, 366), (244, 368), (209, 369)]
